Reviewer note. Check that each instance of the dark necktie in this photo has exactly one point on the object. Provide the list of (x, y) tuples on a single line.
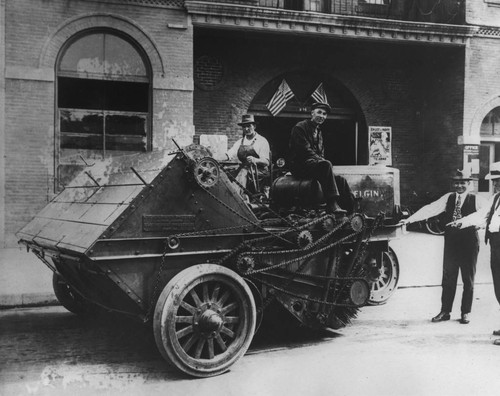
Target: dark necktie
[(457, 213)]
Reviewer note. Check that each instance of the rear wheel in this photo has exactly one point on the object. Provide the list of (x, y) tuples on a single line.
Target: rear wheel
[(68, 297), (382, 275), (204, 320), (434, 225)]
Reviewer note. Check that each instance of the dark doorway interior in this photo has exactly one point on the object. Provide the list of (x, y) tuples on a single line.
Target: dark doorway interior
[(339, 138)]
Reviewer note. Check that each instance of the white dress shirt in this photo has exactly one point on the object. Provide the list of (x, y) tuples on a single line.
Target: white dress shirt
[(439, 206), (479, 218), (260, 145)]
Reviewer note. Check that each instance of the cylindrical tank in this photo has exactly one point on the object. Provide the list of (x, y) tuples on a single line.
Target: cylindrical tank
[(288, 191)]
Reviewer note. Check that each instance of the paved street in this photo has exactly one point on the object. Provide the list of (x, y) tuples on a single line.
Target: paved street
[(388, 350), (392, 349)]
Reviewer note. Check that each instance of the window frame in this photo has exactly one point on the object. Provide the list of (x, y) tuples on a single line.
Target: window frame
[(147, 79)]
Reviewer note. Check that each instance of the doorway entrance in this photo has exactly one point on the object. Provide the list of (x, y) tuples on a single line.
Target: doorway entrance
[(344, 132), (339, 137), (489, 149)]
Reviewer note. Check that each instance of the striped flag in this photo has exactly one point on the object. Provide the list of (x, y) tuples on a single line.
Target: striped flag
[(319, 95), (280, 97)]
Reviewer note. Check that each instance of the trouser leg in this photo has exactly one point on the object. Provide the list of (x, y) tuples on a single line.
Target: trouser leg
[(346, 199), (449, 284), (468, 271), (450, 275), (322, 171), (495, 263)]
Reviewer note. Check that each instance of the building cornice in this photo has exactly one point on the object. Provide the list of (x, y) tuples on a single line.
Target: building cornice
[(177, 4), (488, 32), (245, 17)]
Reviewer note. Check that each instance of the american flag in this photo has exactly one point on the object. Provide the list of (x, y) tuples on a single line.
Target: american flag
[(319, 95), (280, 97)]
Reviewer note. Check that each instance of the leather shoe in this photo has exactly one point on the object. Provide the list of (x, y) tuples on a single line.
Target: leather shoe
[(496, 333), (334, 208), (465, 318), (441, 317), (496, 342)]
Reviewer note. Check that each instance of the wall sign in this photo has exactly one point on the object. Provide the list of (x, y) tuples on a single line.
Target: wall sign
[(379, 145)]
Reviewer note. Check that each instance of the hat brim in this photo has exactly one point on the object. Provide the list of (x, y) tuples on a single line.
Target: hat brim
[(246, 123), (328, 109), (462, 178), (492, 177)]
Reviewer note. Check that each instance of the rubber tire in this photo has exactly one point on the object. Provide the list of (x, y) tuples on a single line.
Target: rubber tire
[(382, 295), (175, 293)]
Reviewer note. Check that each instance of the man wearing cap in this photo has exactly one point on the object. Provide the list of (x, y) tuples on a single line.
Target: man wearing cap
[(252, 150), (489, 217), (461, 246), (307, 156)]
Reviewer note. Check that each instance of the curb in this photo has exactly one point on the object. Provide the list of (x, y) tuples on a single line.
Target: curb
[(27, 300)]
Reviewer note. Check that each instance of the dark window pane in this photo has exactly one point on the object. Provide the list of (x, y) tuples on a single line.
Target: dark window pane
[(72, 141), (495, 120), (74, 121), (296, 5), (127, 96), (126, 125), (76, 93)]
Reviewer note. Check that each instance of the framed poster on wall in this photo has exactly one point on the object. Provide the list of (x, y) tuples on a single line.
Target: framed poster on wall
[(379, 145)]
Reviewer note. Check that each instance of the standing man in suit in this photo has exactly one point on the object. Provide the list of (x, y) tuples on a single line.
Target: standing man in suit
[(489, 217), (461, 246)]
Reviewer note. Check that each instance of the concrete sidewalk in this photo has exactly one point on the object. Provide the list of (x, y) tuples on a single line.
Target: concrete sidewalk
[(26, 281)]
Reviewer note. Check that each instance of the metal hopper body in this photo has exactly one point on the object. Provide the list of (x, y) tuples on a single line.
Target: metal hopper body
[(105, 233)]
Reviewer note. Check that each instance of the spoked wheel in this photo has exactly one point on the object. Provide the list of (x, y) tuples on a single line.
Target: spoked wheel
[(383, 275), (204, 320), (206, 172), (68, 297)]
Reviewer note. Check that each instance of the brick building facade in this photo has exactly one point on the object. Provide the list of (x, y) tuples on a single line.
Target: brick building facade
[(431, 75)]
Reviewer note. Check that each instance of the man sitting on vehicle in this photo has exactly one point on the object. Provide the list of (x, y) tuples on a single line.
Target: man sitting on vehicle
[(307, 159), (253, 152)]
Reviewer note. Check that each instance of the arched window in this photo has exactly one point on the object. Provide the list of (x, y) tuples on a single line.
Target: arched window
[(491, 123), (103, 95)]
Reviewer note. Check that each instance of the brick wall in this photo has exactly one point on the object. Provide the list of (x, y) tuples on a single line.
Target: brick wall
[(482, 85), (35, 31), (416, 90), (483, 12)]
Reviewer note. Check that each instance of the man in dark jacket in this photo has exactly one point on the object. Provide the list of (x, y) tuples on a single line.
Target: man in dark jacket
[(489, 218), (307, 157), (461, 246)]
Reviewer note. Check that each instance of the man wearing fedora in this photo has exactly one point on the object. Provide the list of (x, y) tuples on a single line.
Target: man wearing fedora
[(253, 152), (307, 159), (489, 218), (461, 246)]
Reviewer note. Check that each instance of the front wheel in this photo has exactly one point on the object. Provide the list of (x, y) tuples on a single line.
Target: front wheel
[(204, 320), (382, 275)]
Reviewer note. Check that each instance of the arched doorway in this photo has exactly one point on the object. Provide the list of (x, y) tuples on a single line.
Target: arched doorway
[(345, 131), (489, 150)]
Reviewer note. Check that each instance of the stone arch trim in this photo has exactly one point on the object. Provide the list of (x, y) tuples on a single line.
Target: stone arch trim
[(481, 112), (69, 28)]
